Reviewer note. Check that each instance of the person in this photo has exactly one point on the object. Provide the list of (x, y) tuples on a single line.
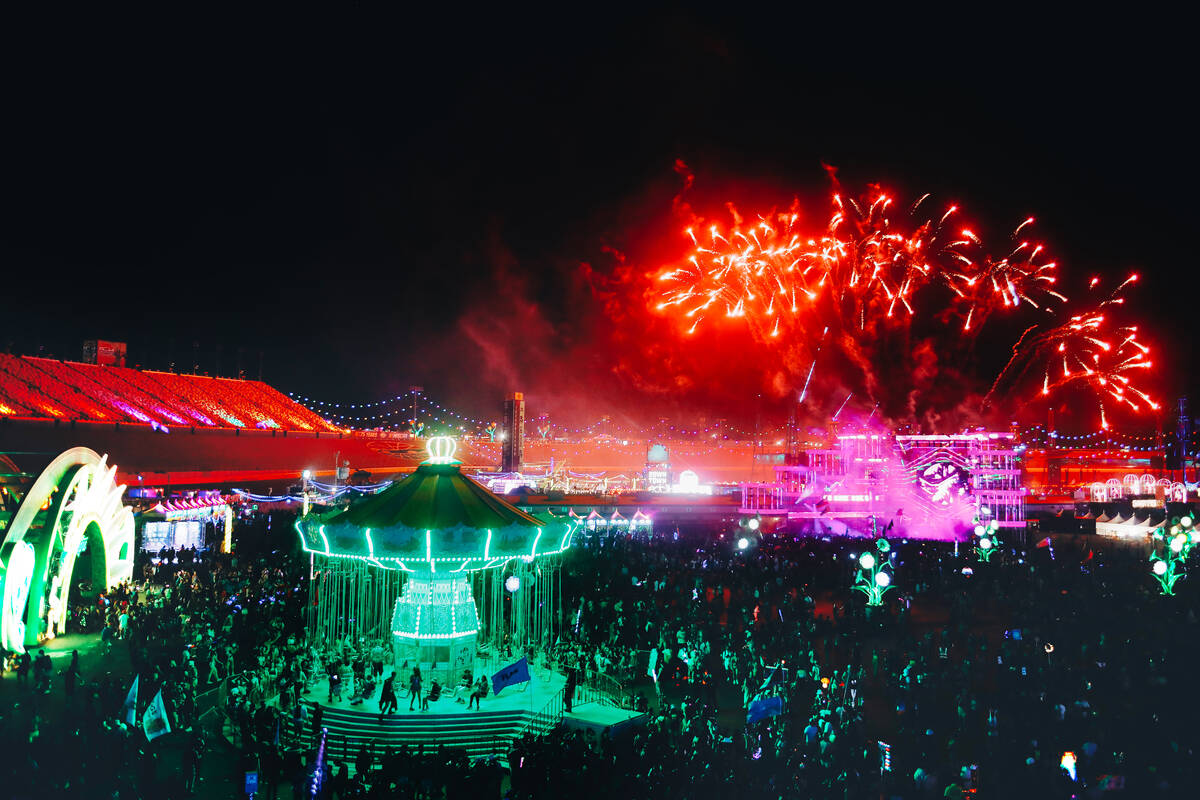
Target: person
[(318, 713), (569, 692), (365, 691), (435, 693), (387, 697), (191, 759), (481, 691), (23, 665), (299, 714), (335, 682), (42, 667), (465, 685), (414, 687), (72, 673), (377, 660)]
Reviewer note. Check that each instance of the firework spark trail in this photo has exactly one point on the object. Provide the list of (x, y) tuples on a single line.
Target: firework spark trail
[(843, 405), (804, 389)]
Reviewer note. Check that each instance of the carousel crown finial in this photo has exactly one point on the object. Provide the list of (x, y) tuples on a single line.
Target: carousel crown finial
[(441, 450)]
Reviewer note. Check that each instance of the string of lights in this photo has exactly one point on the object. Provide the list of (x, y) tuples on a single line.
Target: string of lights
[(429, 414), (429, 411), (325, 494)]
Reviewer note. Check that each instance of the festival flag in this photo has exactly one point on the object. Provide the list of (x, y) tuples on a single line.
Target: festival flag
[(129, 709), (1044, 542), (517, 672), (763, 708), (155, 722)]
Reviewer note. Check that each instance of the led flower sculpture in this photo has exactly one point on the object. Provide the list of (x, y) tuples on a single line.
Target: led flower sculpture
[(875, 573), (987, 540), (1177, 543)]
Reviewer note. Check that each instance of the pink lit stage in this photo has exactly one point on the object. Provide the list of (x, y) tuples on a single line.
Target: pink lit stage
[(925, 486)]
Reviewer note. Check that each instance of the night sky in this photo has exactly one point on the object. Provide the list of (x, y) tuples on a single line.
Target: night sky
[(380, 204)]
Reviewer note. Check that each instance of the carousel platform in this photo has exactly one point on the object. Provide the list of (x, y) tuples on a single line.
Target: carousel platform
[(602, 719), (532, 706)]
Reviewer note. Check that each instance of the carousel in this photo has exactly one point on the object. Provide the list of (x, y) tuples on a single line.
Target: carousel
[(445, 572)]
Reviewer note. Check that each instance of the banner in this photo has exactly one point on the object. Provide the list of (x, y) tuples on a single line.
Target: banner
[(155, 722), (763, 708), (129, 709), (511, 675)]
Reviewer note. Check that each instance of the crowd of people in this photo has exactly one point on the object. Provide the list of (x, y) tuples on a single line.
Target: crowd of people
[(214, 633), (1049, 672), (988, 677)]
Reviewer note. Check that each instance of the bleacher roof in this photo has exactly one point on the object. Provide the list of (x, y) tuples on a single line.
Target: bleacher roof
[(43, 388)]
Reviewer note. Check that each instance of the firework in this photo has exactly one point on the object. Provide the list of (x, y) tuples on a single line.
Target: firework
[(984, 283), (855, 286), (869, 292), (1086, 351), (861, 271)]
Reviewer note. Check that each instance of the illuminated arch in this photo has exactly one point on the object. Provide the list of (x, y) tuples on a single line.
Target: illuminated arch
[(1115, 489), (76, 498)]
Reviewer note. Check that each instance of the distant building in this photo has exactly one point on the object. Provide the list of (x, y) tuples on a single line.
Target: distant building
[(513, 452), (657, 472), (104, 354)]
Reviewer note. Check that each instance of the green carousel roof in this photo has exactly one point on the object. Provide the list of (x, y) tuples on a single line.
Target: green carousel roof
[(436, 496), (435, 519)]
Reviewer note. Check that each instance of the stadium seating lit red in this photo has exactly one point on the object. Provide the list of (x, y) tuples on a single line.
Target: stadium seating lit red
[(144, 382), (49, 394), (10, 406), (117, 382), (39, 387), (115, 406)]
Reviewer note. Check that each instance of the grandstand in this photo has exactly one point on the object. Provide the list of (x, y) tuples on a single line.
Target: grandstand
[(173, 431), (42, 388)]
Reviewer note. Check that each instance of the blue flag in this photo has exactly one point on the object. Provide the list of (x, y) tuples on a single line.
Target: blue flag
[(763, 708), (517, 672)]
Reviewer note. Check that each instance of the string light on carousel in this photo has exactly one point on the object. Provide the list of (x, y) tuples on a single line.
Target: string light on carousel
[(438, 566), (1176, 543)]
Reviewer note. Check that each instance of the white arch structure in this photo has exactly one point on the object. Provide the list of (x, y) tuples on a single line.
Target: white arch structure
[(76, 497)]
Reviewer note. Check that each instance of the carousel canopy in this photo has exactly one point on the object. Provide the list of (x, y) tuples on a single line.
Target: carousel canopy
[(435, 516)]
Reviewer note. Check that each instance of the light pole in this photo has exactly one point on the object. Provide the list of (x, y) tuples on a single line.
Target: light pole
[(304, 476)]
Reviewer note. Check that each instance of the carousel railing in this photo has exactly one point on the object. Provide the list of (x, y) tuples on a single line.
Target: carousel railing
[(596, 687), (543, 720)]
